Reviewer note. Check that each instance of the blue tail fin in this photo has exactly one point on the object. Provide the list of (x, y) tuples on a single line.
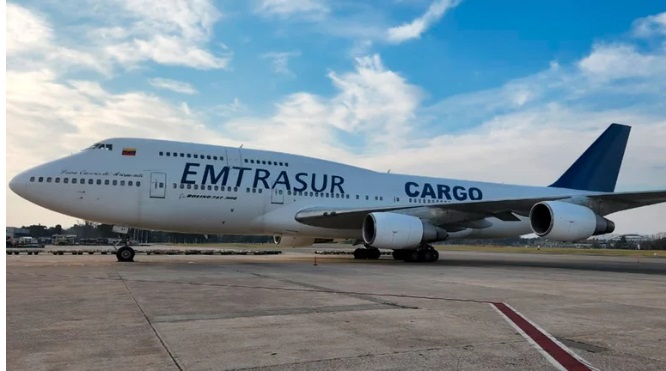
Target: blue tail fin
[(597, 168)]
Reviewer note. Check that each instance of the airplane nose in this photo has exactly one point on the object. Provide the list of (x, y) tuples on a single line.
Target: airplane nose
[(18, 184)]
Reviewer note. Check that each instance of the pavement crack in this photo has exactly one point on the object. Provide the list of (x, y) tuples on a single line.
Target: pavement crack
[(150, 323)]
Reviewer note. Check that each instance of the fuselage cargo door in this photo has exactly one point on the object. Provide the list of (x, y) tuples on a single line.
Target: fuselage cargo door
[(277, 197), (157, 185)]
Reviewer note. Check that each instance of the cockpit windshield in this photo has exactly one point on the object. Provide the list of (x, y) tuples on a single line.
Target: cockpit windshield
[(106, 146)]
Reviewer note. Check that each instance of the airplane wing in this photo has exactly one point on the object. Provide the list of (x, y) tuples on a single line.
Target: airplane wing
[(352, 218), (614, 202), (471, 214)]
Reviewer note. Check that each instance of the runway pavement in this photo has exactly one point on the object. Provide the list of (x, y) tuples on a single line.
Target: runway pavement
[(200, 312)]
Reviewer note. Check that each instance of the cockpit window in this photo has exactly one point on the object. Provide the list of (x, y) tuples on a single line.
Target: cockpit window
[(106, 146)]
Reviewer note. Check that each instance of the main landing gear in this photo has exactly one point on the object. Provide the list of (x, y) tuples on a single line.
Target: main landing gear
[(125, 254), (370, 253), (423, 254)]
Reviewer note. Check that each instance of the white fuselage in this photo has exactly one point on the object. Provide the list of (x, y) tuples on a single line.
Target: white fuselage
[(194, 188)]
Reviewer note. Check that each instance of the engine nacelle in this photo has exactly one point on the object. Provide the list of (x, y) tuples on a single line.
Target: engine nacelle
[(398, 231), (563, 221), (293, 241)]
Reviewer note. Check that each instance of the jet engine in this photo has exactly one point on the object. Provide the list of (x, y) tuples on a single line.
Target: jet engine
[(398, 231), (293, 241), (563, 221)]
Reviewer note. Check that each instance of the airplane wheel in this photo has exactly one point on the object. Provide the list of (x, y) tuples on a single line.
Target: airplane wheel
[(360, 253), (125, 254), (398, 255), (412, 256), (374, 254), (435, 255), (428, 256)]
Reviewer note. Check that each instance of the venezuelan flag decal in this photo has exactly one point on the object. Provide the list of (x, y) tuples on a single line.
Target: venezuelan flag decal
[(129, 151)]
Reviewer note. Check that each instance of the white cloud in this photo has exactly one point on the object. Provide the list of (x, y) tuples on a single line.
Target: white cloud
[(654, 25), (415, 28), (617, 61), (173, 85), (310, 9), (26, 31), (125, 34), (280, 61), (166, 32), (231, 109)]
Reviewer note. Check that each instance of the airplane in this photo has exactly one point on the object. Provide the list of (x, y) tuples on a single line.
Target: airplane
[(196, 188)]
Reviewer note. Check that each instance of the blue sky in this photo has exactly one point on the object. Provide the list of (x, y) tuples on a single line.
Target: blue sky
[(446, 88)]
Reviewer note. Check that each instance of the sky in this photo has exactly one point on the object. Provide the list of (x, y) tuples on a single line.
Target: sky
[(509, 92)]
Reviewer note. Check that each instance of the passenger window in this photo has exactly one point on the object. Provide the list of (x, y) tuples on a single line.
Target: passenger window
[(252, 161), (90, 181), (337, 195), (161, 153), (235, 189), (57, 180), (130, 183), (189, 155), (381, 198), (288, 193), (65, 180), (216, 188), (221, 158), (115, 182), (367, 197), (196, 156), (138, 184), (174, 185), (245, 160), (286, 164), (189, 186), (161, 185), (347, 196), (210, 187), (99, 181), (201, 157), (122, 183), (263, 162), (260, 190), (32, 178), (106, 182), (247, 190), (168, 153), (214, 157), (270, 162), (182, 155), (182, 186), (83, 181), (73, 180), (208, 157), (280, 163), (196, 186), (48, 180), (357, 197)]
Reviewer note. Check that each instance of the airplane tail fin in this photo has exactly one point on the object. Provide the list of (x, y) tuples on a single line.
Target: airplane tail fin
[(598, 167)]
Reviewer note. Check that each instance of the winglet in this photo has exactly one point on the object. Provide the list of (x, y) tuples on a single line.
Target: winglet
[(598, 167)]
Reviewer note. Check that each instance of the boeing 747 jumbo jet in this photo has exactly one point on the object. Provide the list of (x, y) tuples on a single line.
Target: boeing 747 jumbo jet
[(195, 188)]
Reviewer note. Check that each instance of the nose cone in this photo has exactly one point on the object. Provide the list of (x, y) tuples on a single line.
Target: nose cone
[(19, 183)]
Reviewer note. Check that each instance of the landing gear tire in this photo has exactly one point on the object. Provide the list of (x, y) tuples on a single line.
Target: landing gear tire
[(125, 254), (425, 254), (399, 254), (365, 253), (361, 253)]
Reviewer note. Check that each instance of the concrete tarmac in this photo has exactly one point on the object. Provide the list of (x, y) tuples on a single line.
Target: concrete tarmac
[(201, 312)]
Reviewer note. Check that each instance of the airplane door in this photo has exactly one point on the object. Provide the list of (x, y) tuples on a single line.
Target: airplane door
[(157, 185), (234, 157), (277, 197)]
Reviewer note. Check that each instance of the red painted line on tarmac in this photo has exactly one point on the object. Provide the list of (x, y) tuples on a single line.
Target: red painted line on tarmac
[(558, 352)]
